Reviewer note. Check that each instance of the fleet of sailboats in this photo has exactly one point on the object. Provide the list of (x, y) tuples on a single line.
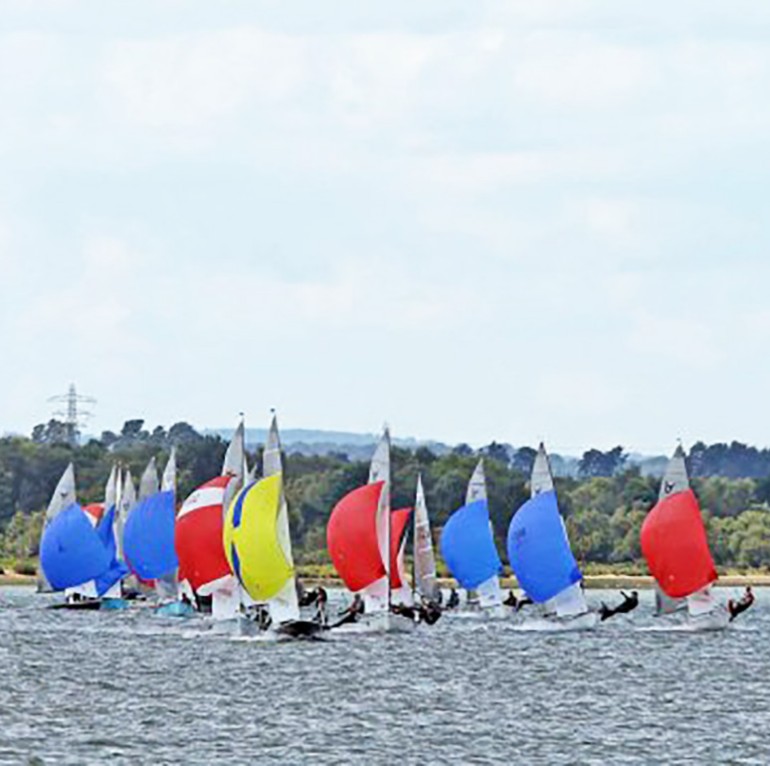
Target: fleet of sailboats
[(228, 548)]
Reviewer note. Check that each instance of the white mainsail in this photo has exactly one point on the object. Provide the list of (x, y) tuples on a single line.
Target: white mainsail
[(126, 502), (542, 477), (63, 496), (377, 594), (111, 489), (167, 587), (148, 483), (424, 558), (168, 482), (489, 593), (285, 606)]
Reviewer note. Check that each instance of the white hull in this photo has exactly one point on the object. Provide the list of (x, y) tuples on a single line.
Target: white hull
[(378, 622), (581, 622)]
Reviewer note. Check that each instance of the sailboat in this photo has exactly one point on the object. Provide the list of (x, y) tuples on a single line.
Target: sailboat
[(203, 567), (76, 556), (358, 538), (424, 582), (468, 546), (63, 496), (257, 543), (542, 559), (675, 546), (148, 536)]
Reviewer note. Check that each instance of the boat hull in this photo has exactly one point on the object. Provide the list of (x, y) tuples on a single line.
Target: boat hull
[(580, 622), (175, 609)]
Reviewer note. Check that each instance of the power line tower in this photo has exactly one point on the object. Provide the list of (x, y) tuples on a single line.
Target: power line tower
[(74, 416)]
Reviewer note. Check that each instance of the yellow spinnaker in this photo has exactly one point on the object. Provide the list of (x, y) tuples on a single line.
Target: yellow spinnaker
[(251, 539)]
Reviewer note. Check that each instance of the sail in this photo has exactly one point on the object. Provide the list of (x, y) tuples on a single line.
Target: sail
[(351, 537), (148, 538), (198, 538), (285, 605), (377, 594), (542, 478), (111, 488), (424, 559), (149, 484), (251, 540), (168, 482), (126, 501), (477, 486), (675, 545), (401, 593), (63, 497), (108, 582), (539, 551), (71, 550), (234, 456), (675, 478), (64, 494), (468, 546)]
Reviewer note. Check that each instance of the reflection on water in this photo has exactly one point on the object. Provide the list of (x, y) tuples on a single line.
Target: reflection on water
[(130, 688)]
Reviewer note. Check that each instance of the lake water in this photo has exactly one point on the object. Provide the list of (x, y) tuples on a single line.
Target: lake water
[(131, 688)]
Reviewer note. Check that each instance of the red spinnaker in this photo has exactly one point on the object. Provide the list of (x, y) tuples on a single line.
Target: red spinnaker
[(198, 535), (351, 537), (675, 545), (95, 511), (398, 521)]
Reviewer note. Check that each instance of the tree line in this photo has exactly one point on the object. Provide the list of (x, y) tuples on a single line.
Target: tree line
[(603, 506)]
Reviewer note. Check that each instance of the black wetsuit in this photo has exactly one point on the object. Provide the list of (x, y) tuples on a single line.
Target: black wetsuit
[(738, 607), (523, 601), (453, 601), (628, 604), (510, 600)]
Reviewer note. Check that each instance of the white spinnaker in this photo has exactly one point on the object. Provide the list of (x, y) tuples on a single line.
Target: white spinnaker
[(424, 558), (542, 478), (148, 483), (284, 607), (676, 479), (571, 601), (489, 593), (376, 595), (63, 496)]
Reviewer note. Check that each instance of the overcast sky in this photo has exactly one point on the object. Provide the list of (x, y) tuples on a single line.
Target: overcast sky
[(473, 220)]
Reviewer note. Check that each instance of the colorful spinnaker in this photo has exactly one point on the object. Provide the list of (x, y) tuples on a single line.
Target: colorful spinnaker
[(675, 546), (148, 537), (468, 544), (425, 584), (358, 534), (257, 540), (63, 497), (539, 549)]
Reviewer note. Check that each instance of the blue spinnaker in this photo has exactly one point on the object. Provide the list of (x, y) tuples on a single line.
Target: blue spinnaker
[(539, 551), (71, 551), (148, 537), (468, 546), (116, 569)]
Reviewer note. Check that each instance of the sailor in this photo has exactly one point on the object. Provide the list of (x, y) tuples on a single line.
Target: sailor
[(453, 600), (629, 603), (510, 599), (429, 612), (352, 613), (321, 598), (523, 601), (736, 607)]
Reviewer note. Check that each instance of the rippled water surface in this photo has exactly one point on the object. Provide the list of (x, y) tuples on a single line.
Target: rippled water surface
[(131, 688)]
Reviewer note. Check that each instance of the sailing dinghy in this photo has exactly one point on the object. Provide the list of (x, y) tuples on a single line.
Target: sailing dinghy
[(76, 556), (675, 546), (542, 559), (257, 543), (358, 537), (468, 546), (425, 587)]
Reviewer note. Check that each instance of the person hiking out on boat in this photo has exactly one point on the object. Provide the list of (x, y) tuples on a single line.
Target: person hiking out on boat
[(629, 603), (453, 600), (510, 599), (525, 600), (321, 597), (741, 605), (352, 613)]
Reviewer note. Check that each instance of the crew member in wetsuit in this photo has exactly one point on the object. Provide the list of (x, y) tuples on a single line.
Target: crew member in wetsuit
[(321, 598), (430, 612), (510, 599), (736, 607), (629, 603), (523, 601), (352, 613), (453, 600)]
